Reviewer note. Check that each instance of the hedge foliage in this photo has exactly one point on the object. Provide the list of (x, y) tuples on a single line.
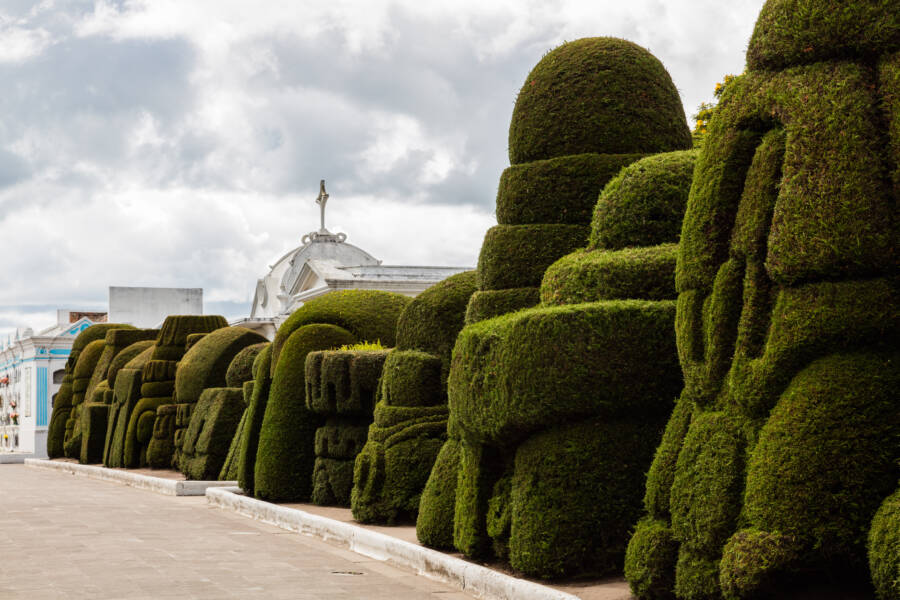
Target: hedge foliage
[(560, 190), (213, 424), (515, 256), (162, 443), (240, 370), (88, 358), (434, 525), (370, 315), (519, 373), (253, 418), (487, 304), (602, 95), (592, 275), (792, 32), (884, 548), (431, 321), (176, 329), (206, 363), (127, 393), (644, 204), (286, 452), (650, 560), (139, 432)]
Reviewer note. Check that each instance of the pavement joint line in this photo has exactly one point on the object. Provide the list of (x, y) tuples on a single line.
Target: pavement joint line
[(471, 578), (160, 485)]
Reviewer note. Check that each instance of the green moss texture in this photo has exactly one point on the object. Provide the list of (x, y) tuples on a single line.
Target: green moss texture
[(486, 304), (240, 370), (602, 95), (515, 256), (884, 548)]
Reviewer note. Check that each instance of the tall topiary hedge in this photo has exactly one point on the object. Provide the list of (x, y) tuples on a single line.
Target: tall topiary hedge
[(126, 394), (248, 432), (589, 108), (410, 419), (118, 365), (81, 378), (555, 410), (212, 427), (340, 387), (286, 453), (884, 548), (158, 389), (99, 395), (787, 436)]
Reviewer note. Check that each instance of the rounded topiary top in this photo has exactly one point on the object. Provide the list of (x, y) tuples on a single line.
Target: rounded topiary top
[(88, 359), (206, 363), (241, 368), (176, 328), (794, 32), (369, 315), (435, 317), (602, 95), (95, 332), (123, 358), (644, 204)]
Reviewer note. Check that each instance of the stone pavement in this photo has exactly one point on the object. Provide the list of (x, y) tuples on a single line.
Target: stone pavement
[(70, 537)]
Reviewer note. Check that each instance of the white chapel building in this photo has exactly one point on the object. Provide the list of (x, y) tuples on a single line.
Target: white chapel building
[(325, 262)]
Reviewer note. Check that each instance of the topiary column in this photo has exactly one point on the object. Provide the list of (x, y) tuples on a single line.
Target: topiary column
[(786, 438)]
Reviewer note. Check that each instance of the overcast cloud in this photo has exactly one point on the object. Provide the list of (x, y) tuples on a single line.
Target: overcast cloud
[(181, 142)]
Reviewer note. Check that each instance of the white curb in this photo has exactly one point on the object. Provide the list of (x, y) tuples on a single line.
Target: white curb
[(160, 485), (474, 579)]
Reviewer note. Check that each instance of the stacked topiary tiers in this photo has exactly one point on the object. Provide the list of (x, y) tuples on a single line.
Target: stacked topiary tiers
[(146, 442), (278, 445), (410, 419), (555, 411), (786, 439), (99, 397), (340, 387), (126, 394), (589, 108), (241, 374)]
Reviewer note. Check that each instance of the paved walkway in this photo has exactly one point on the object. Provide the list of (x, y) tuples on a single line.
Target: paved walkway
[(69, 537)]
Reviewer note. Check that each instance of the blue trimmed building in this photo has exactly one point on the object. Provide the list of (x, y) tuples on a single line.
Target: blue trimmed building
[(31, 370)]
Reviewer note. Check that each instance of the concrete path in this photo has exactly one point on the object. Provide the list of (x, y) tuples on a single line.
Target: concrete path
[(69, 537)]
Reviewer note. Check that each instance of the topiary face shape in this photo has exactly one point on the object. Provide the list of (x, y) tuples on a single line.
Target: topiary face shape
[(787, 320)]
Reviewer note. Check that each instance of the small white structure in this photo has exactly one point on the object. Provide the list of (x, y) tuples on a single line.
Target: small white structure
[(325, 262), (149, 306), (31, 370)]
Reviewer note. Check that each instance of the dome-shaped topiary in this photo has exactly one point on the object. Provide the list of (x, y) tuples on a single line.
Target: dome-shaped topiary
[(603, 95), (241, 368), (792, 32), (206, 363), (644, 204)]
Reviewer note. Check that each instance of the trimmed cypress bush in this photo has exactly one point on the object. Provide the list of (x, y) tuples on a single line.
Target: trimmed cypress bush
[(486, 304), (650, 560), (286, 452), (340, 385), (253, 418), (161, 445), (212, 426), (62, 408), (206, 363), (127, 393), (787, 318), (192, 339), (603, 95), (176, 329), (240, 370), (88, 358), (139, 433), (884, 548), (514, 256), (569, 186), (434, 525)]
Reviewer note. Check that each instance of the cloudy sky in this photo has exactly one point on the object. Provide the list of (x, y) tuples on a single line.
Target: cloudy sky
[(181, 142)]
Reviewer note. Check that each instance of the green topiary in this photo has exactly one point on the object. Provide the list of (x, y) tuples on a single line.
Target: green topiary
[(486, 304), (62, 408), (644, 204), (139, 432), (82, 372), (514, 256), (286, 453), (650, 561), (589, 276), (240, 370), (787, 317), (127, 393), (212, 427), (253, 418), (192, 339), (431, 321), (371, 315), (791, 32), (530, 370), (161, 445), (206, 363), (601, 95), (176, 329), (568, 184), (884, 548), (434, 525)]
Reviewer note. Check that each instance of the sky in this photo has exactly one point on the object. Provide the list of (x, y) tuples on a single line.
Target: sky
[(180, 143)]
